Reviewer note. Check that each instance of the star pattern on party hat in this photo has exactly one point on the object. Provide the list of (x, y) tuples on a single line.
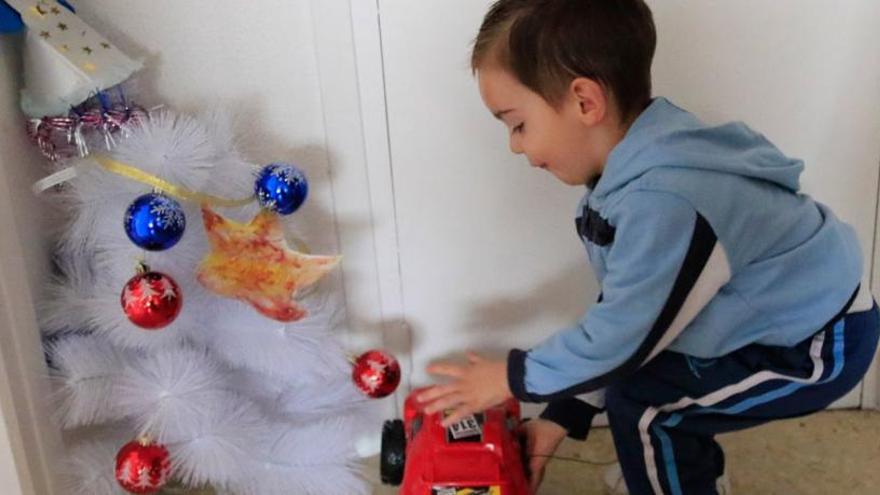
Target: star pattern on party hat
[(252, 262), (65, 60)]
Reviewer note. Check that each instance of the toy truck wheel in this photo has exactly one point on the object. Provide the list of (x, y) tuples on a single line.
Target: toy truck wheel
[(393, 456)]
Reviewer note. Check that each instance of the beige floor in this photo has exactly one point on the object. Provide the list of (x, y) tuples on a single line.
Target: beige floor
[(826, 454)]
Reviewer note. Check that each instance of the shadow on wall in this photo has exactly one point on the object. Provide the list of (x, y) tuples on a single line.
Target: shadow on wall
[(551, 296)]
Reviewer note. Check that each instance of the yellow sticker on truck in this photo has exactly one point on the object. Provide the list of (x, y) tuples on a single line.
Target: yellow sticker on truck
[(461, 490)]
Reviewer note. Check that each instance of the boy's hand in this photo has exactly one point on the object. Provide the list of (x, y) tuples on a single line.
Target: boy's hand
[(542, 439), (478, 386)]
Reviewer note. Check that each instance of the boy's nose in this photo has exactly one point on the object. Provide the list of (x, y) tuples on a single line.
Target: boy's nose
[(515, 148)]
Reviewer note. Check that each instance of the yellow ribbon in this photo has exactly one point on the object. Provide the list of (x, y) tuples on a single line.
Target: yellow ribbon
[(183, 193), (178, 192)]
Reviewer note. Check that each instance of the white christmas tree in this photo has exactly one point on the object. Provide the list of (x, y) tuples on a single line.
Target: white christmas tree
[(243, 403)]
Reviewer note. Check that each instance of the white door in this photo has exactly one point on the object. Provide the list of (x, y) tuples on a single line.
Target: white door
[(488, 256)]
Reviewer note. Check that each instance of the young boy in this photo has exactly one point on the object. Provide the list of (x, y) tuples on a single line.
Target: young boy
[(728, 298)]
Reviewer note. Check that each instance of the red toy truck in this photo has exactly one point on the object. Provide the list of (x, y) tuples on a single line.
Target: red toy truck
[(480, 455)]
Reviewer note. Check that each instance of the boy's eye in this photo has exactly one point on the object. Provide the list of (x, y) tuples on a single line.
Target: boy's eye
[(519, 128)]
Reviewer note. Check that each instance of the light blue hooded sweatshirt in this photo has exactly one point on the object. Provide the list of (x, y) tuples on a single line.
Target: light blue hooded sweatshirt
[(702, 244)]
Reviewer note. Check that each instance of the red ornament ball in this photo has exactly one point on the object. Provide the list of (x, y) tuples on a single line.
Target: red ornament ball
[(151, 300), (142, 467), (376, 373)]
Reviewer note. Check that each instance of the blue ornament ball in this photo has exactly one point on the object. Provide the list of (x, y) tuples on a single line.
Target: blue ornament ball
[(155, 222), (281, 188)]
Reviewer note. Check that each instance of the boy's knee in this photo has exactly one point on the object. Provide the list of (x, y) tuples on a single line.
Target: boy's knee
[(623, 404)]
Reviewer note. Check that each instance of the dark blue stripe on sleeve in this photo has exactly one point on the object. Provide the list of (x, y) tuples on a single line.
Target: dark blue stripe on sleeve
[(702, 243)]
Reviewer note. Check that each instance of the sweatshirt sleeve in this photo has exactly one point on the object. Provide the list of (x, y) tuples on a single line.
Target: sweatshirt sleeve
[(665, 264)]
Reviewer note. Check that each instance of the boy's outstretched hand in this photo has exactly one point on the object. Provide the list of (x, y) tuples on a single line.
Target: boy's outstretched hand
[(478, 386)]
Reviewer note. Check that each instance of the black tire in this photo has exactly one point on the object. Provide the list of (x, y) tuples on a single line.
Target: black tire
[(393, 456)]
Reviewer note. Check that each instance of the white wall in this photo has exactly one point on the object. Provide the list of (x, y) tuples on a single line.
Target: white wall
[(488, 253), (805, 73)]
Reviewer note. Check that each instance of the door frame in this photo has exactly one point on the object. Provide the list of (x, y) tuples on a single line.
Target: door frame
[(348, 48), (30, 442), (871, 384)]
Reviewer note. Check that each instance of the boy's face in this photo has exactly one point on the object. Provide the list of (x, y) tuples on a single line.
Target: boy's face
[(565, 141)]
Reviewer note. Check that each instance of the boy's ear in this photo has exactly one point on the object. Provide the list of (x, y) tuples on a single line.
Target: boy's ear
[(589, 96)]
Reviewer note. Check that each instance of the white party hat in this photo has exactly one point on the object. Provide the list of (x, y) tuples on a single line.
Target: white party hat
[(65, 60)]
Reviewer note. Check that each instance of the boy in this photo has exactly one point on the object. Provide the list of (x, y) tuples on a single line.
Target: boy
[(728, 298)]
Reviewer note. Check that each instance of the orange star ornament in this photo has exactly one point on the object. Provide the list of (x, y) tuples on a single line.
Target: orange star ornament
[(253, 263)]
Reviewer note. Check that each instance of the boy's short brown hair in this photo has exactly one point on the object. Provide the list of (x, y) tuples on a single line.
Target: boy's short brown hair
[(547, 43)]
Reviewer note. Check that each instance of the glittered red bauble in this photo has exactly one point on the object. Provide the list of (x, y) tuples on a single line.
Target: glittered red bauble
[(142, 467), (151, 300), (376, 373)]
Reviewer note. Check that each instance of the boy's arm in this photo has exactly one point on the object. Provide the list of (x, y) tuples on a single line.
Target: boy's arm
[(664, 266), (575, 414)]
